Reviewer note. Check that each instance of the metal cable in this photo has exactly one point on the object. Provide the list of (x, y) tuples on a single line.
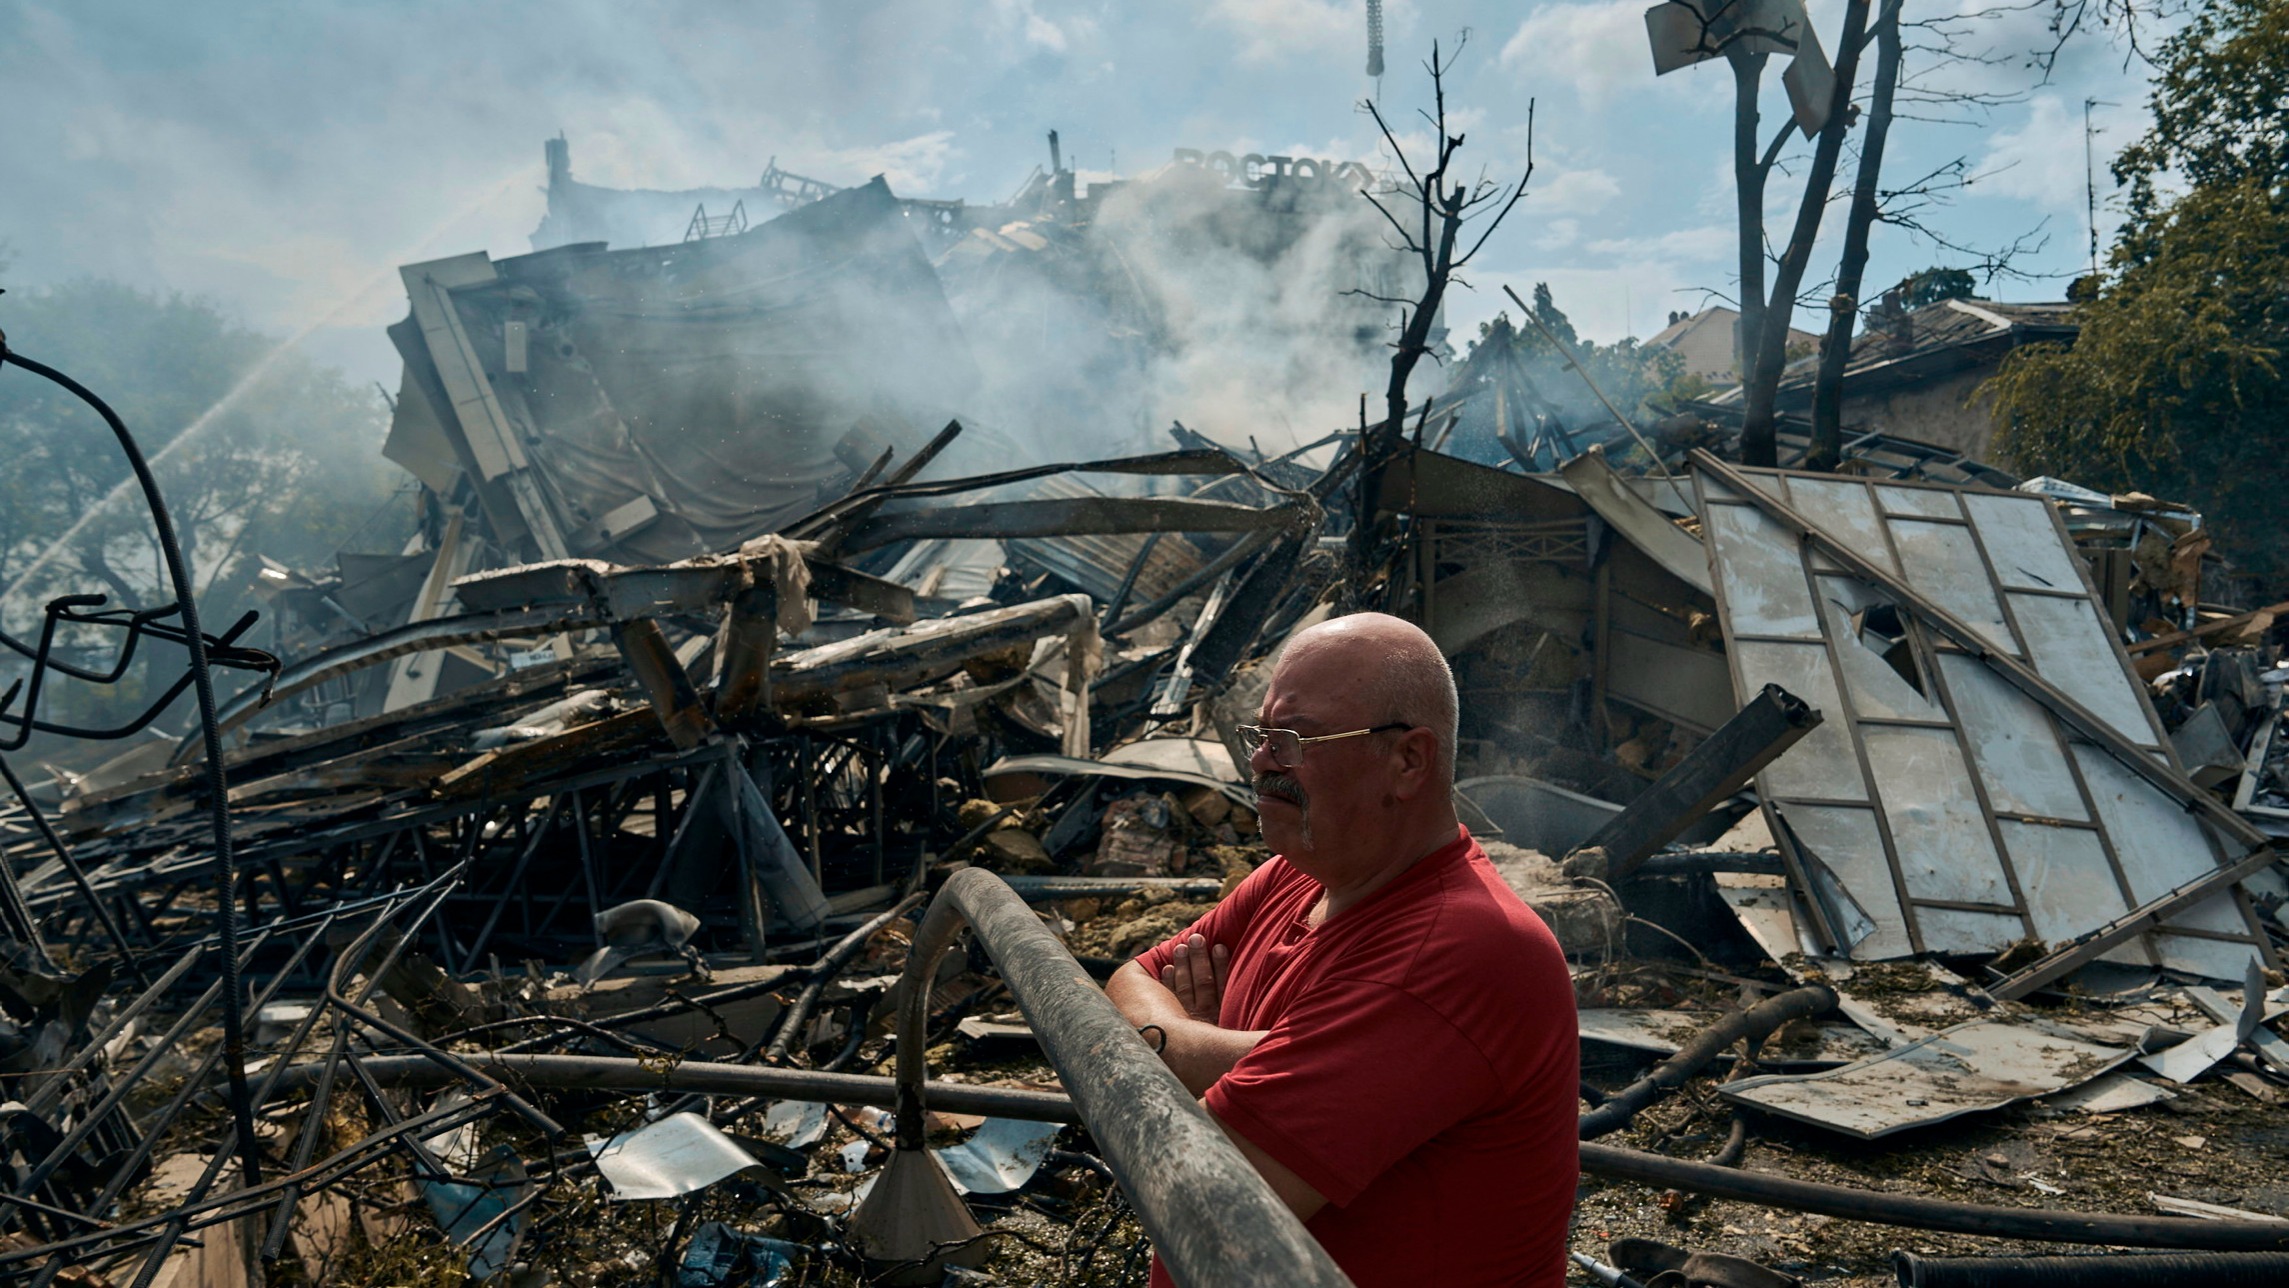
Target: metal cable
[(218, 786)]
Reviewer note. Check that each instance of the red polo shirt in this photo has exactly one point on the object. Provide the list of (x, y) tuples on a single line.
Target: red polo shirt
[(1421, 1068)]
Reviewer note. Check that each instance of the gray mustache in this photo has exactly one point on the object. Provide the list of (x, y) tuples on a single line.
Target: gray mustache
[(1282, 787)]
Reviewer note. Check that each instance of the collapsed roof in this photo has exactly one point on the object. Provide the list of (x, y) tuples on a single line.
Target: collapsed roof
[(668, 401)]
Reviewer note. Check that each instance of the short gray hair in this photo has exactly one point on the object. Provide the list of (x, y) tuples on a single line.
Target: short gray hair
[(1416, 687)]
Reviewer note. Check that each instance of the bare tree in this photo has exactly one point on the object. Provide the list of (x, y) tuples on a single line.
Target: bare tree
[(1762, 364), (2133, 22), (1827, 449), (1941, 41), (1437, 209), (1746, 34), (1774, 282)]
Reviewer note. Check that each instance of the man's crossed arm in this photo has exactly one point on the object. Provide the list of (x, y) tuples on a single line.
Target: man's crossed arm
[(1183, 1004)]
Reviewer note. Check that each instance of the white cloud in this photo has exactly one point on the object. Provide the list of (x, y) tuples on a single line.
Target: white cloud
[(1038, 31), (1559, 234), (1598, 48), (1273, 30), (1574, 192), (2040, 161), (1708, 243), (1718, 197)]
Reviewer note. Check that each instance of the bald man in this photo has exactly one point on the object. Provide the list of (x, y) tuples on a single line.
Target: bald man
[(1376, 1021)]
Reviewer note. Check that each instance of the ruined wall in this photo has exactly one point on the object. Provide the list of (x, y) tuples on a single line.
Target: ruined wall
[(1941, 412)]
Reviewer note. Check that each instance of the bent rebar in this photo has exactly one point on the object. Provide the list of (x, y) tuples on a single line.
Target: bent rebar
[(218, 784)]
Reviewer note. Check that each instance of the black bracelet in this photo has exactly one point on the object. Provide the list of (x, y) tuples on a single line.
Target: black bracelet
[(1160, 1033)]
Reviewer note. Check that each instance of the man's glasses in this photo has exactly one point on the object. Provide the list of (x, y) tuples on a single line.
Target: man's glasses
[(1287, 745)]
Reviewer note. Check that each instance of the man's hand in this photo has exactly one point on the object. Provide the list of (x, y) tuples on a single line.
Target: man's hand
[(1197, 978), (1196, 1049)]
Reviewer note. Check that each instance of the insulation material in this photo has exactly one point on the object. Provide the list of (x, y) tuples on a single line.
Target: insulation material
[(678, 1155)]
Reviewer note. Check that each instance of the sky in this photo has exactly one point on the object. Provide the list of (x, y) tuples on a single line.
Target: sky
[(282, 158)]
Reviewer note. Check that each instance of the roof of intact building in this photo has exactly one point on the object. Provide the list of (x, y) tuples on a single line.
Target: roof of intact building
[(1937, 340), (1706, 341)]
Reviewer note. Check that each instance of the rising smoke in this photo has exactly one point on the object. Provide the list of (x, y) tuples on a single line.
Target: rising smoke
[(1242, 312)]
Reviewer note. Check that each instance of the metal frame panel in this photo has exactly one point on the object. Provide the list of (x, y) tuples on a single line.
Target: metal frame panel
[(1993, 818)]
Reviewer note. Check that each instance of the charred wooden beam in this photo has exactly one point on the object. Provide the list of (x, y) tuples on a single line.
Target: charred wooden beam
[(512, 769), (414, 637), (701, 585), (931, 650), (750, 633), (1066, 516), (666, 685), (1722, 764), (835, 584)]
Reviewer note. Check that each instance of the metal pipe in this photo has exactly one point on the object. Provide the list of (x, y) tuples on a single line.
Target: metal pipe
[(1210, 1214), (2048, 1225), (1610, 1276), (59, 1081), (2045, 1225), (825, 972), (1036, 889), (1211, 1217), (214, 1210), (218, 782), (2107, 1270), (620, 1073), (351, 1011), (1755, 1023), (21, 921)]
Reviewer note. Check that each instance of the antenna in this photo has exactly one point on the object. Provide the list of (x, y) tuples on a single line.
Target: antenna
[(2090, 178), (1375, 38)]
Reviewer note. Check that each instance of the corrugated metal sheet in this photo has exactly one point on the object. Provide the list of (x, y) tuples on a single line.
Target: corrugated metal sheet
[(1097, 562), (1984, 1064)]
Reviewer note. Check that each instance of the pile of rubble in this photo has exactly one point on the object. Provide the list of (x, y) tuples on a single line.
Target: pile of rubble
[(1909, 828)]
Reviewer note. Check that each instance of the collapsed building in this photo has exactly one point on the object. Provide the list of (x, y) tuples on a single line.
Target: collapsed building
[(729, 642)]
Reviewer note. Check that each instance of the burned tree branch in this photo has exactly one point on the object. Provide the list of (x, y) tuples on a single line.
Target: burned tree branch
[(1442, 210)]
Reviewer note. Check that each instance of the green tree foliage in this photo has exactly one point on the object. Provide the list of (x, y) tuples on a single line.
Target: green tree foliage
[(289, 469), (2221, 114), (2175, 385), (1547, 312), (1935, 284)]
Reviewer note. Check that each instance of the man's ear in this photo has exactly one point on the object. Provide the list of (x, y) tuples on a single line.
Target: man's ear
[(1418, 752)]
